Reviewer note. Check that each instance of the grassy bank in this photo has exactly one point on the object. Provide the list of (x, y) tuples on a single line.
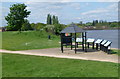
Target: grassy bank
[(15, 65), (28, 40), (115, 51)]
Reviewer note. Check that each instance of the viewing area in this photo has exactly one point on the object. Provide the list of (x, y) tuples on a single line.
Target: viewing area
[(69, 38)]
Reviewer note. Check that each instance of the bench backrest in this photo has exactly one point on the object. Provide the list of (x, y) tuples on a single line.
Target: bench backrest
[(66, 40), (103, 42), (98, 41), (90, 40), (108, 43)]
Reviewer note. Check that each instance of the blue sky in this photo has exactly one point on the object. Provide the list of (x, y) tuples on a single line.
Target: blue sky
[(67, 11)]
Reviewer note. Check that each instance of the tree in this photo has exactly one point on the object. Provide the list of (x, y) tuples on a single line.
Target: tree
[(50, 28), (54, 20), (49, 19), (96, 21), (58, 28), (57, 21), (15, 18), (81, 23), (88, 24), (26, 26)]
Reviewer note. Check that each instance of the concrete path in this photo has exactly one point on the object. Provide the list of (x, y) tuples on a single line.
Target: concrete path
[(56, 52)]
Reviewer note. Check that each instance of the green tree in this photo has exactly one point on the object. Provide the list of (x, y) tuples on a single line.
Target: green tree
[(15, 18), (49, 19), (58, 28), (93, 23), (81, 23), (88, 24), (54, 20), (50, 28), (57, 21), (96, 21), (26, 26)]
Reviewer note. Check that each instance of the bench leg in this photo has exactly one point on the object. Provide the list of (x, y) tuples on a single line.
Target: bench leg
[(96, 46), (88, 45)]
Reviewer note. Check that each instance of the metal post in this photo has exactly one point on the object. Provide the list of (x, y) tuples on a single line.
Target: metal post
[(96, 46), (75, 43), (85, 42), (61, 44), (88, 45), (82, 41), (93, 45), (71, 41)]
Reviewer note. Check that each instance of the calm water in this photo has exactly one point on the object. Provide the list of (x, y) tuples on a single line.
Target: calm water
[(111, 35)]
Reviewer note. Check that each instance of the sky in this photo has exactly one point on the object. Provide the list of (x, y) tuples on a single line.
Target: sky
[(66, 10)]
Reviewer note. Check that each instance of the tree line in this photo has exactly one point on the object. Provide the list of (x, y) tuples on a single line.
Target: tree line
[(100, 24)]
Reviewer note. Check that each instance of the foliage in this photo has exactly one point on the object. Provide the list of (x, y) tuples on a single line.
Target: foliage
[(38, 26), (15, 18), (52, 19), (55, 20), (99, 24), (58, 28), (26, 26), (88, 24), (114, 24), (49, 19), (15, 65), (50, 28)]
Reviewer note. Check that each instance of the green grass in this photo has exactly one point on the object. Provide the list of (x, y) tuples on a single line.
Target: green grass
[(28, 40), (0, 40), (0, 65), (15, 65), (115, 51)]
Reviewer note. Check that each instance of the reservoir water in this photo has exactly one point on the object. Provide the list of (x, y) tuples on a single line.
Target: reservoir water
[(111, 35)]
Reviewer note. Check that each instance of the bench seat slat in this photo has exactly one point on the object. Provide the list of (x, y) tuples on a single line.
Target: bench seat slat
[(107, 44), (104, 42), (91, 40), (98, 41)]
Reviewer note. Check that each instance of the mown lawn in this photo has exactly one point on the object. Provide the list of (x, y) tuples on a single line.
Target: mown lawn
[(115, 51), (15, 65), (0, 40), (28, 40)]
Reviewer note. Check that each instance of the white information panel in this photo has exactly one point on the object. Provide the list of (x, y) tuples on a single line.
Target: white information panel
[(98, 41), (78, 39), (104, 42), (90, 40), (108, 43)]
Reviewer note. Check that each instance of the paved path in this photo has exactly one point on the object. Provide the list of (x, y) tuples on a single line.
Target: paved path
[(55, 52)]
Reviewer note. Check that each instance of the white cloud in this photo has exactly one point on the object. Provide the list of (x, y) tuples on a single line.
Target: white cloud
[(94, 11), (111, 8), (75, 5)]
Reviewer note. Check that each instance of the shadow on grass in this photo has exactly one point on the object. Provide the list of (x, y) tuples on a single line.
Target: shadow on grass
[(113, 52)]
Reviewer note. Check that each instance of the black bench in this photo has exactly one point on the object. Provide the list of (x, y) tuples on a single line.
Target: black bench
[(102, 44), (97, 42), (107, 47)]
